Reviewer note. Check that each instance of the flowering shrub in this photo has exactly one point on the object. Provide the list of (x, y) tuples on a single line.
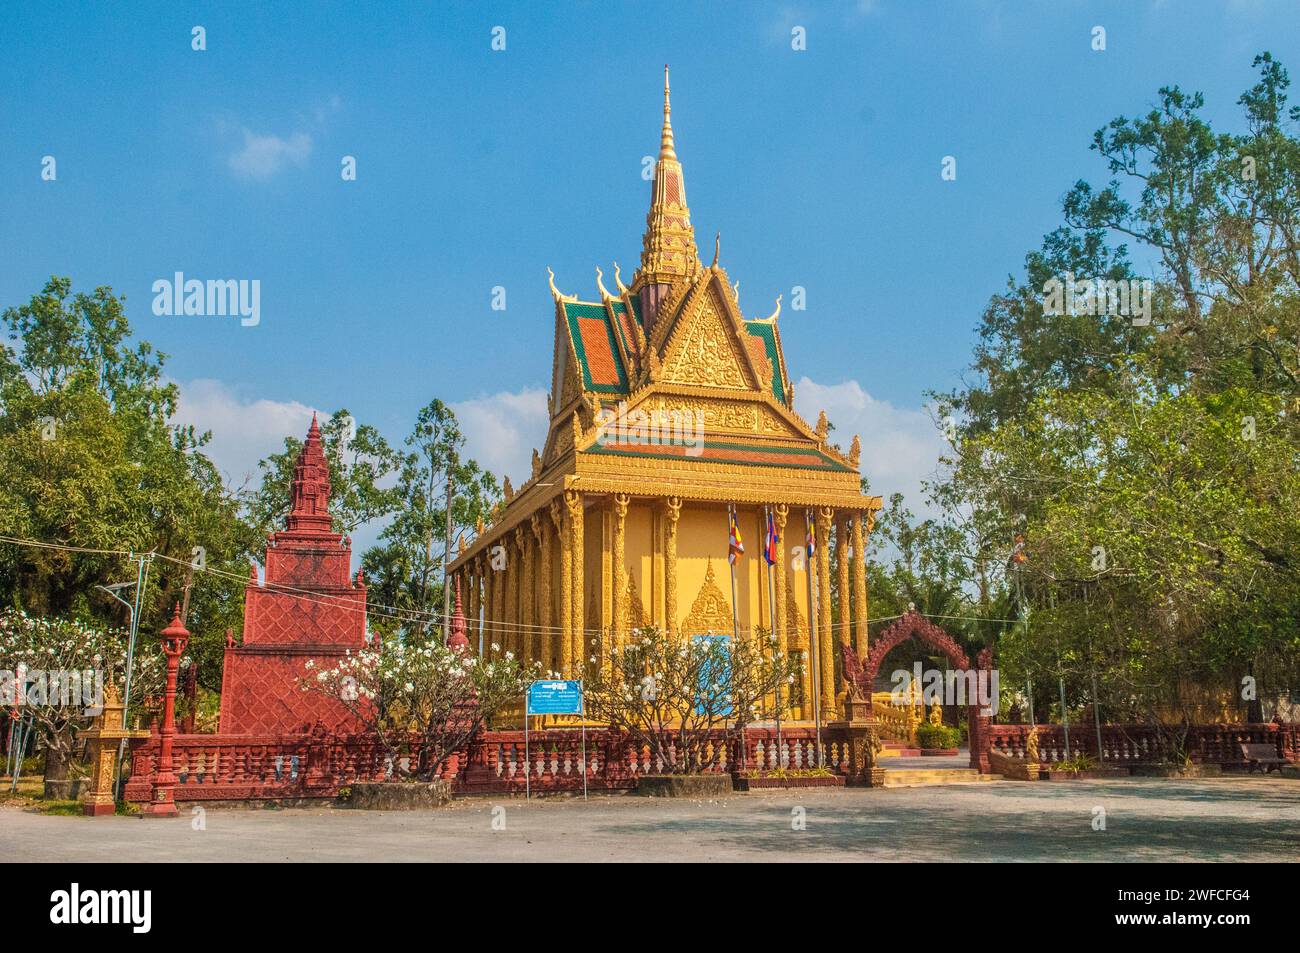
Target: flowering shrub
[(31, 647), (421, 701), (937, 736), (668, 693)]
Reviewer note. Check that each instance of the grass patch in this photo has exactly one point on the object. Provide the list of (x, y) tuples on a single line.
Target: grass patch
[(61, 808)]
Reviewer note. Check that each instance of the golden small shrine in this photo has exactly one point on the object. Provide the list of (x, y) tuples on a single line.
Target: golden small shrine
[(669, 408), (105, 738)]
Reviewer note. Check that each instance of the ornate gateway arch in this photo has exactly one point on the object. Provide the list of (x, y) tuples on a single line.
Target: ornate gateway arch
[(862, 672)]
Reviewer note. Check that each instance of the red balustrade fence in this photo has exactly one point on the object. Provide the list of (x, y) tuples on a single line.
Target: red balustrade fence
[(1147, 744), (229, 767)]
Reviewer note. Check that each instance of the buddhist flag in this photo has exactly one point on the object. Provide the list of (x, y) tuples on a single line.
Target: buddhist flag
[(769, 546), (810, 540), (735, 545)]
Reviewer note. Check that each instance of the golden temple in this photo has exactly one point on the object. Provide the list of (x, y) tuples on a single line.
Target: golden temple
[(667, 408)]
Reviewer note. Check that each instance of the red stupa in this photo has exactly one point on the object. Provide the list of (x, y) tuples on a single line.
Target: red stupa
[(307, 607)]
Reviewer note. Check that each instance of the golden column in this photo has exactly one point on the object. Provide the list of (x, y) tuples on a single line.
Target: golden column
[(537, 563), (560, 518), (510, 619), (577, 639), (860, 587), (673, 511), (779, 514), (845, 633), (546, 601), (499, 569), (825, 641), (472, 618), (489, 602), (620, 570), (524, 537)]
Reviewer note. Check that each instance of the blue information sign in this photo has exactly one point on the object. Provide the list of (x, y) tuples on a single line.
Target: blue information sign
[(555, 698), (716, 671)]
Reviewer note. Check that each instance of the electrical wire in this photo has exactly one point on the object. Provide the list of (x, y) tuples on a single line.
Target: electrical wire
[(486, 623)]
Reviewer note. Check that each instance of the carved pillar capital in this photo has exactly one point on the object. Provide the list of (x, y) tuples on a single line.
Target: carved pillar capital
[(573, 501)]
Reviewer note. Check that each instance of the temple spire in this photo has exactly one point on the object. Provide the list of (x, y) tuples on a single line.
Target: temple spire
[(309, 493), (668, 248), (666, 150)]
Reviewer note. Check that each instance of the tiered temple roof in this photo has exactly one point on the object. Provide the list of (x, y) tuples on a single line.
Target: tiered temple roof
[(676, 342)]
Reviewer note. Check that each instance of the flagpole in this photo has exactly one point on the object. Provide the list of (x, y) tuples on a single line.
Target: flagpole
[(735, 618), (771, 614), (812, 638)]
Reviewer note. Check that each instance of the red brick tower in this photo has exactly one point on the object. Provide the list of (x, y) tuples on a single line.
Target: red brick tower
[(307, 607)]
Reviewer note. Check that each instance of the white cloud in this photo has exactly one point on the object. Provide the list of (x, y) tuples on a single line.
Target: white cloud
[(502, 429), (264, 156), (243, 431), (900, 446)]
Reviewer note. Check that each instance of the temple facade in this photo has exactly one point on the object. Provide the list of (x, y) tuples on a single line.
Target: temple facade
[(670, 410), (305, 607)]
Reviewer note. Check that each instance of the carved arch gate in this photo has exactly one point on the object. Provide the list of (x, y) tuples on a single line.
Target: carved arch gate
[(862, 672)]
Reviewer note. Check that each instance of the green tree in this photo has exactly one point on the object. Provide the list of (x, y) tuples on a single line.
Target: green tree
[(91, 460), (405, 569), (1147, 470)]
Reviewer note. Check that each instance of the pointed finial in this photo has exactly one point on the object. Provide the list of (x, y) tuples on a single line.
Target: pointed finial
[(666, 150), (717, 250), (600, 284), (555, 292), (775, 314), (618, 280), (456, 638)]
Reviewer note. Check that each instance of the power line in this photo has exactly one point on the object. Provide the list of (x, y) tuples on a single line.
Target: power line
[(398, 613)]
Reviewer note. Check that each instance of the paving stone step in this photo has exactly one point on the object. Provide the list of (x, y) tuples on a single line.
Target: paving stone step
[(906, 777)]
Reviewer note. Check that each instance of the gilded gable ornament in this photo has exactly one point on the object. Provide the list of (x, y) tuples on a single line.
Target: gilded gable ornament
[(706, 356), (794, 621), (711, 610), (634, 614)]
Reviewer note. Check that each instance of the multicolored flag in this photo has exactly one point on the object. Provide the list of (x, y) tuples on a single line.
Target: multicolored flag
[(735, 546), (769, 547), (810, 542)]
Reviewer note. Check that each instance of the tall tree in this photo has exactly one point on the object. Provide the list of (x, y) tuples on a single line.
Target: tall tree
[(405, 569), (91, 460)]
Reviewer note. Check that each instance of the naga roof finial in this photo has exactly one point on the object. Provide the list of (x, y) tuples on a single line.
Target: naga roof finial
[(618, 280), (717, 250), (600, 284), (555, 292), (775, 314)]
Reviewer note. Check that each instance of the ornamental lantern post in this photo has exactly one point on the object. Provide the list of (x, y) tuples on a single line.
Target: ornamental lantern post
[(174, 640)]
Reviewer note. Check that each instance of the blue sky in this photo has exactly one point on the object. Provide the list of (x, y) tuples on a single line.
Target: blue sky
[(477, 168)]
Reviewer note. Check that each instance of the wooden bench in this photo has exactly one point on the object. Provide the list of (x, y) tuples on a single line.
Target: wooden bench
[(1262, 756)]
